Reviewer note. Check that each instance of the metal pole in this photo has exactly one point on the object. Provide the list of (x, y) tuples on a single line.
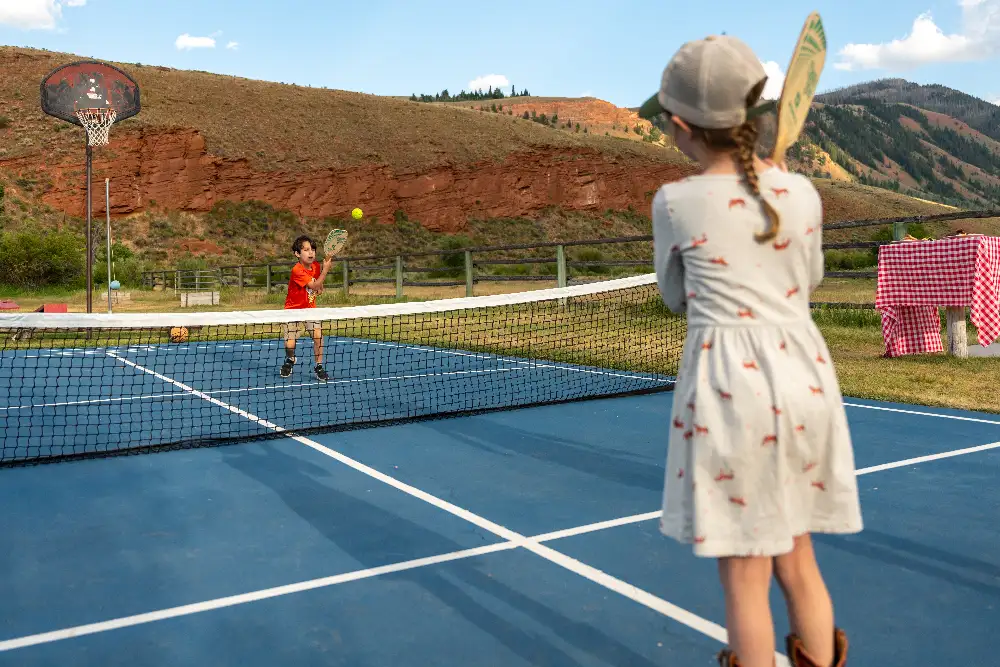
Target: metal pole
[(107, 212), (90, 237)]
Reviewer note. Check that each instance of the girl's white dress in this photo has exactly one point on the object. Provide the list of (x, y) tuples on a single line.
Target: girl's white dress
[(759, 448)]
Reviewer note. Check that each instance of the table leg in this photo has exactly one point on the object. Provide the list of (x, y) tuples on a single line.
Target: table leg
[(958, 341)]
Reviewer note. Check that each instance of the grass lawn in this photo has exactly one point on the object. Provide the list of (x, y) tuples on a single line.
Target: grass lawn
[(932, 380)]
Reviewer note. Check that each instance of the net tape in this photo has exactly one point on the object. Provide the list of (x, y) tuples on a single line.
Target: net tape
[(97, 123), (79, 385)]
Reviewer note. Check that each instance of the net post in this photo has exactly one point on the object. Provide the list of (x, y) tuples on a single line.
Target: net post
[(468, 273), (347, 278), (107, 239), (90, 234), (399, 276)]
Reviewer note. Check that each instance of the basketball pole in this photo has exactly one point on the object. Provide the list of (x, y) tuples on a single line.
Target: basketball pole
[(90, 236)]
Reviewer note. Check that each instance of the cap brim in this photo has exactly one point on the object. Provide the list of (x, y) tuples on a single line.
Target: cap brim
[(651, 108), (765, 107)]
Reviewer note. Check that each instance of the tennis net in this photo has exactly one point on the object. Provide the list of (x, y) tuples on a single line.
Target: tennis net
[(76, 385)]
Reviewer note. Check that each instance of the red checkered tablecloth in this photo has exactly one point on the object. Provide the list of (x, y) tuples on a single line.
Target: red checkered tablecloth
[(915, 278)]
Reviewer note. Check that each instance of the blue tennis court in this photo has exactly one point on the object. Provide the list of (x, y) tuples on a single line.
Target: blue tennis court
[(519, 537)]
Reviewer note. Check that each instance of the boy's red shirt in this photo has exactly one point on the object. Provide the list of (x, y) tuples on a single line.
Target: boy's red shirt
[(300, 296)]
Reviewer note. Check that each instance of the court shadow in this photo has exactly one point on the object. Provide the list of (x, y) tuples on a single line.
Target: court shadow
[(373, 536), (498, 438), (914, 556)]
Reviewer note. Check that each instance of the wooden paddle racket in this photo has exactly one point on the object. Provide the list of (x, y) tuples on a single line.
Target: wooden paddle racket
[(335, 242), (800, 85)]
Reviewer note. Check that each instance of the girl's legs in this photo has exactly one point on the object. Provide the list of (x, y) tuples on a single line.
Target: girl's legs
[(745, 583), (810, 609)]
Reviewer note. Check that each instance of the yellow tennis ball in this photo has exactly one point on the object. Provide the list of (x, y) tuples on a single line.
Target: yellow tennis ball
[(356, 214), (178, 334)]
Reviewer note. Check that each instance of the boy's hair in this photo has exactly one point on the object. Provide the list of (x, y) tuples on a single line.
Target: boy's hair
[(744, 139), (299, 242)]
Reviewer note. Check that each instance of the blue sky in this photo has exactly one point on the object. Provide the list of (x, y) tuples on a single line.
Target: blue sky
[(396, 47)]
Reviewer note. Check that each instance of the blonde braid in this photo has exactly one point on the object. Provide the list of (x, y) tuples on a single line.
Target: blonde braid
[(745, 137)]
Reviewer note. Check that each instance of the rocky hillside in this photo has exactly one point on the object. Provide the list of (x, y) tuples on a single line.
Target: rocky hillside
[(927, 141), (211, 169)]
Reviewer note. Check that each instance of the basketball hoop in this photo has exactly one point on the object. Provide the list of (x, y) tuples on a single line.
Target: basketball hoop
[(97, 123)]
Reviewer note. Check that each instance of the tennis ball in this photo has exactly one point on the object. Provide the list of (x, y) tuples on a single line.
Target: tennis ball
[(356, 214), (178, 334)]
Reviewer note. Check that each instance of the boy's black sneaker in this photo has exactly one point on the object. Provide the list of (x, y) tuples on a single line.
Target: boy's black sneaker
[(286, 368), (321, 373)]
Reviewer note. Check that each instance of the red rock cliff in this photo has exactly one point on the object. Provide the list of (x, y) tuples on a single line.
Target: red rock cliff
[(172, 169)]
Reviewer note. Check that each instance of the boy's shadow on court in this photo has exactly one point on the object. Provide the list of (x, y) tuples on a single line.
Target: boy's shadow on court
[(375, 536)]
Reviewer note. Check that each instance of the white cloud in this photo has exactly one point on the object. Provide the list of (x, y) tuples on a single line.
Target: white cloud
[(484, 82), (775, 80), (233, 46), (34, 14), (926, 43), (186, 41)]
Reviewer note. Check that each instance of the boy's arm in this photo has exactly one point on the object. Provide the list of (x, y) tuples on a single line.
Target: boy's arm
[(317, 283)]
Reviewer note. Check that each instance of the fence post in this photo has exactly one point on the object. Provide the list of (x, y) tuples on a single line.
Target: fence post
[(561, 266), (468, 273), (399, 276), (177, 281), (347, 280), (267, 281), (239, 272), (561, 270), (898, 231)]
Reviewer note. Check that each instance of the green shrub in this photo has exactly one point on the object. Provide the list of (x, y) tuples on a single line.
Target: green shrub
[(849, 260), (31, 258)]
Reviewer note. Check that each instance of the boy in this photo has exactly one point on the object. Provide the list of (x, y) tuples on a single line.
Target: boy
[(305, 283)]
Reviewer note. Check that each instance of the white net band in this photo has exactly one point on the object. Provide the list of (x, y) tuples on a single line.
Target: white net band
[(98, 124)]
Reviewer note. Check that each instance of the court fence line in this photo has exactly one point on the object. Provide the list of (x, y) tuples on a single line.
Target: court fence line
[(469, 266)]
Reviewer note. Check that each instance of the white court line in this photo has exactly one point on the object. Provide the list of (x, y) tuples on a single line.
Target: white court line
[(322, 582), (186, 393), (702, 625), (513, 540), (929, 457), (619, 586), (243, 598), (922, 414)]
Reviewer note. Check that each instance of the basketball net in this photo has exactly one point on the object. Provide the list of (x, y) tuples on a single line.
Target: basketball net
[(97, 123)]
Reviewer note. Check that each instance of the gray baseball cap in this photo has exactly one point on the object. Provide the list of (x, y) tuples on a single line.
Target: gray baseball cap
[(706, 83)]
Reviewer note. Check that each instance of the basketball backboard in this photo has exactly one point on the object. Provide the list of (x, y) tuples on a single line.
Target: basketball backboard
[(89, 85)]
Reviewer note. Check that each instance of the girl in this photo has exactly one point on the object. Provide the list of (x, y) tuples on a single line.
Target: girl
[(759, 455)]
